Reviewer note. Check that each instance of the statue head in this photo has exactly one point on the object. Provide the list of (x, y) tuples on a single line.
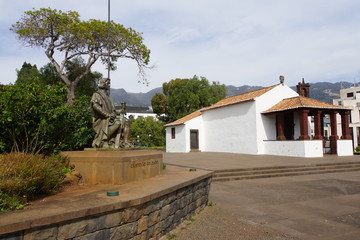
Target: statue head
[(104, 83)]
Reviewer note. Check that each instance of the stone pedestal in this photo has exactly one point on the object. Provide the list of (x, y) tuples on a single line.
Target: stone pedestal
[(116, 167)]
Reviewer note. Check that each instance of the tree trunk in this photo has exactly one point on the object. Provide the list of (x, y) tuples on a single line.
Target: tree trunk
[(70, 94)]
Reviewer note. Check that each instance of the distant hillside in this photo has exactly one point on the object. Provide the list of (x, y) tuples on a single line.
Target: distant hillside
[(133, 99), (232, 90), (322, 91)]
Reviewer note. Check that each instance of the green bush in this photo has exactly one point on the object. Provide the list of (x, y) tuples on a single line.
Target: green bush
[(35, 119), (357, 149), (27, 177), (147, 132)]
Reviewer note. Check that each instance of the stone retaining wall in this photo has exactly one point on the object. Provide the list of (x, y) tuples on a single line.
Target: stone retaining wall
[(149, 220)]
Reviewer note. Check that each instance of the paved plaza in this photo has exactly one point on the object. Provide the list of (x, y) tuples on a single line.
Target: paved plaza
[(320, 206)]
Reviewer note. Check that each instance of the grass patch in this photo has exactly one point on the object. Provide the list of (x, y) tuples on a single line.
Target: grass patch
[(211, 204), (171, 236)]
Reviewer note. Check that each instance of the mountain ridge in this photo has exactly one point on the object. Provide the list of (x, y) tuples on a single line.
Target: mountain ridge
[(322, 91)]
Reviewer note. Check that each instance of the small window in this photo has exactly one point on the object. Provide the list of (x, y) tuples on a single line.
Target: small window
[(350, 94), (173, 133), (339, 103)]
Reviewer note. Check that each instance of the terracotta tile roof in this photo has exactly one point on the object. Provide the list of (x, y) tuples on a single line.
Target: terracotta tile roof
[(301, 102), (244, 97), (185, 119)]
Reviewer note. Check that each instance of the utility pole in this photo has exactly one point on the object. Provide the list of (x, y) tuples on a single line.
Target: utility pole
[(108, 37)]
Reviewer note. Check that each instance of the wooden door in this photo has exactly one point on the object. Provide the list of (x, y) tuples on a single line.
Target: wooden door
[(194, 139)]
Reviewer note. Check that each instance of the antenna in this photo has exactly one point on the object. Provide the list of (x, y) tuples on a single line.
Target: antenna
[(108, 39)]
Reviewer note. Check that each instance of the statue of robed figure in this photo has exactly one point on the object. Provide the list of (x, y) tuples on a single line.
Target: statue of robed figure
[(110, 125)]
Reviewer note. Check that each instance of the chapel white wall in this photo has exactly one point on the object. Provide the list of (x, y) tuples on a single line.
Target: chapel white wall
[(231, 129), (195, 124), (181, 142), (266, 124), (178, 144), (312, 148)]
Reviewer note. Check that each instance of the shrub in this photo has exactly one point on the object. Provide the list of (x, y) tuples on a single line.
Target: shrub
[(8, 203), (34, 119), (28, 176), (357, 149), (147, 131)]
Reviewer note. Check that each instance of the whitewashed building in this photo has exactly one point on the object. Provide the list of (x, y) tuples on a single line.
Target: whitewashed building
[(272, 120), (350, 97)]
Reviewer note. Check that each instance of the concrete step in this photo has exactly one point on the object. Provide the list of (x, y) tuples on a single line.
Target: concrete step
[(283, 171), (280, 170), (290, 166)]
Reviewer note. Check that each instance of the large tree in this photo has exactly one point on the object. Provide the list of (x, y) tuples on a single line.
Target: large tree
[(184, 96), (47, 75), (86, 86), (27, 73), (65, 37)]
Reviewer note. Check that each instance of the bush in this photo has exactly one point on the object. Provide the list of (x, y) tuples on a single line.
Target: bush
[(357, 149), (27, 177), (147, 131), (9, 203), (35, 119)]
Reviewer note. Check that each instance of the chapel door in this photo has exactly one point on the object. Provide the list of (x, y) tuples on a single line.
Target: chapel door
[(194, 139)]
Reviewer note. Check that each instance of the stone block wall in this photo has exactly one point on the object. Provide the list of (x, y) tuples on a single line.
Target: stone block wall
[(150, 220)]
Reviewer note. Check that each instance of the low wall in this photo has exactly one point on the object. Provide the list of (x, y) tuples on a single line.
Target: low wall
[(295, 148), (114, 166), (345, 147), (154, 212)]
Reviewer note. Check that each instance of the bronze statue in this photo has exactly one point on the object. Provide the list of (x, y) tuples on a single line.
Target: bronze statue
[(110, 125)]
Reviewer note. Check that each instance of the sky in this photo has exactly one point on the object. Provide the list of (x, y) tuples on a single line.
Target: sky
[(233, 42)]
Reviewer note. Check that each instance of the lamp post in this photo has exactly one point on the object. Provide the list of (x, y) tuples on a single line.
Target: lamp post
[(108, 37)]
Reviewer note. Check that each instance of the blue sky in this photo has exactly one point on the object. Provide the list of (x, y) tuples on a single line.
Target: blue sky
[(230, 41)]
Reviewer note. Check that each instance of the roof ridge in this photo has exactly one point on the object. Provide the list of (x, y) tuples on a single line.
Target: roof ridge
[(301, 102), (252, 91)]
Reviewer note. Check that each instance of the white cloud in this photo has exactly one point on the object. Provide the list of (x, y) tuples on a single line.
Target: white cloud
[(233, 42)]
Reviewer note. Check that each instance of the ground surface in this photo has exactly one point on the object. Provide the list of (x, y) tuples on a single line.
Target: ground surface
[(323, 206), (216, 223)]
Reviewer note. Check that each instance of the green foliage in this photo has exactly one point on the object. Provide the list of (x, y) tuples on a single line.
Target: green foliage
[(159, 105), (27, 73), (211, 204), (49, 76), (147, 131), (89, 83), (357, 149), (26, 177), (64, 37), (79, 128), (34, 118), (171, 236), (184, 96), (191, 219), (9, 203)]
